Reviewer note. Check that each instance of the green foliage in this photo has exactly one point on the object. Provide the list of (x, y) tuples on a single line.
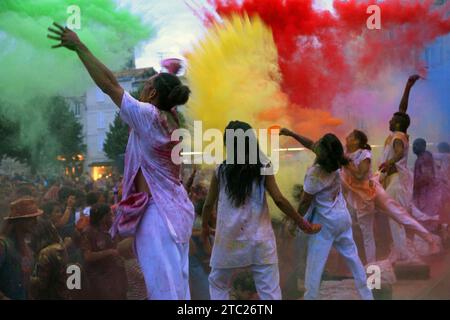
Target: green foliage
[(10, 133), (48, 130), (116, 139), (64, 125)]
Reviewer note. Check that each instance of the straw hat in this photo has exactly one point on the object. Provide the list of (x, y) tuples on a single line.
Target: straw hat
[(24, 208)]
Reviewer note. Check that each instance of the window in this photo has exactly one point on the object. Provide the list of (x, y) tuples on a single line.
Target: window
[(77, 108), (100, 120), (100, 141)]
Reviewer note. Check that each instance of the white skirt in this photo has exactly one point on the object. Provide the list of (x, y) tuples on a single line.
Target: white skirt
[(164, 262)]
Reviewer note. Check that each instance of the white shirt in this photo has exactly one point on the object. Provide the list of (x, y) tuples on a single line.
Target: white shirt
[(86, 212), (244, 235), (328, 207)]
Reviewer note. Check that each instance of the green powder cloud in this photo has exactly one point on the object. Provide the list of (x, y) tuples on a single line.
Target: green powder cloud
[(28, 65), (31, 72)]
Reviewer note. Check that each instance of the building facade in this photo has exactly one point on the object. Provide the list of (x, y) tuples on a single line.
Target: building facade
[(96, 112)]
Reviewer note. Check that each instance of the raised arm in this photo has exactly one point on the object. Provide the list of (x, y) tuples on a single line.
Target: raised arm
[(102, 76), (409, 84), (306, 142), (71, 200)]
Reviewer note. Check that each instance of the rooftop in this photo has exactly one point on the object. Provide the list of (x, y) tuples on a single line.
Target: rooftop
[(135, 73)]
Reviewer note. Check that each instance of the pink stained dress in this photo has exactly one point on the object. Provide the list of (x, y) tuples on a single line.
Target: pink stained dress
[(150, 149), (359, 193), (162, 238), (365, 197)]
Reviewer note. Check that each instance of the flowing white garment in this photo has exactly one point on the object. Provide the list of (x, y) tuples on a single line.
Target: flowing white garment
[(164, 262), (399, 186)]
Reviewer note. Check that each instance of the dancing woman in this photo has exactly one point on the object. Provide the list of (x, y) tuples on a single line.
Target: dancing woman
[(244, 235), (162, 239), (323, 202), (365, 195)]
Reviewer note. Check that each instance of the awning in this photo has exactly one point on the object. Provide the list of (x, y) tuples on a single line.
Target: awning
[(101, 164)]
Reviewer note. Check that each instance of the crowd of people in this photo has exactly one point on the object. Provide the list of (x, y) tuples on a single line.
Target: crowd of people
[(52, 224), (157, 233), (48, 226)]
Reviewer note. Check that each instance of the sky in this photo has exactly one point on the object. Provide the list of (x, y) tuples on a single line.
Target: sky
[(178, 28)]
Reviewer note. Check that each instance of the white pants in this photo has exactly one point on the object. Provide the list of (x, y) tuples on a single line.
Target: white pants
[(266, 277), (319, 246), (399, 220), (394, 190), (164, 262), (366, 225)]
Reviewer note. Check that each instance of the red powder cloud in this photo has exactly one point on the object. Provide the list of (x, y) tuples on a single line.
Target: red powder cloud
[(323, 54)]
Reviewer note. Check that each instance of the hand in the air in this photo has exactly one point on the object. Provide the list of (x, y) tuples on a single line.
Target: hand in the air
[(68, 39), (285, 132), (412, 79)]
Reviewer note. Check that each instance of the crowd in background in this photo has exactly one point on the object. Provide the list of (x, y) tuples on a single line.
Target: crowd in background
[(71, 222)]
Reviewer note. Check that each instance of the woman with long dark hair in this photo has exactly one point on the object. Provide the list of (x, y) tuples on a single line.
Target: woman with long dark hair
[(323, 202), (244, 235), (162, 235)]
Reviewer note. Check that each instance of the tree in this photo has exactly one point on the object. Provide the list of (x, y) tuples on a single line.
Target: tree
[(63, 125), (116, 139), (38, 135), (10, 134)]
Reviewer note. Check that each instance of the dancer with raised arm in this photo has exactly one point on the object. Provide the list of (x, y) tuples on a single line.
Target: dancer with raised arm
[(162, 236), (365, 196), (244, 235), (323, 202), (396, 177)]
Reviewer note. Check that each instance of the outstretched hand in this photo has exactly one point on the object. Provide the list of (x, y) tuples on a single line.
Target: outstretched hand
[(285, 132), (412, 80), (68, 39)]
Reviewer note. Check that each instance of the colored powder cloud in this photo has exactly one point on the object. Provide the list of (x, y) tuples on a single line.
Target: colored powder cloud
[(28, 65), (325, 56), (31, 73), (234, 75)]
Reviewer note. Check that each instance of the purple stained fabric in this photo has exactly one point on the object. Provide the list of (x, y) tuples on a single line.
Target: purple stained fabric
[(150, 149)]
